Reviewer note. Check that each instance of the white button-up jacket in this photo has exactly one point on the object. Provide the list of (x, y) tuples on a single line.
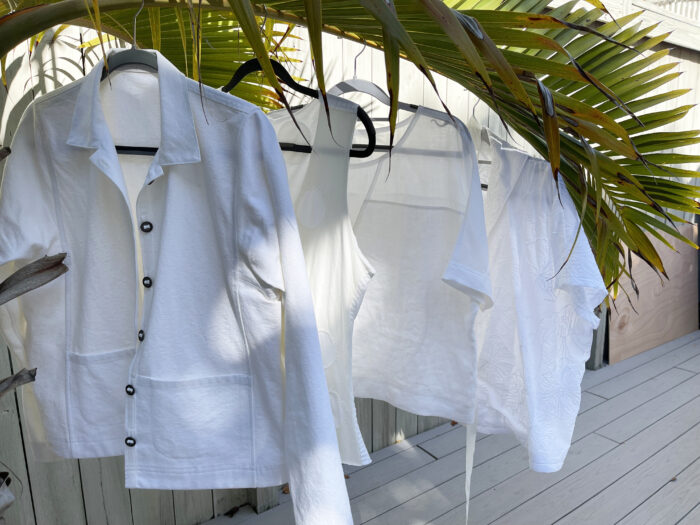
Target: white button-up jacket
[(183, 335)]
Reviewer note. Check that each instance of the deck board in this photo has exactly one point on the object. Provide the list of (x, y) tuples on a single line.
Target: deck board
[(393, 467), (635, 459), (644, 415), (405, 488), (614, 408), (693, 365), (446, 443), (597, 377), (639, 375), (639, 484), (692, 517), (672, 503), (588, 401), (576, 489), (490, 505)]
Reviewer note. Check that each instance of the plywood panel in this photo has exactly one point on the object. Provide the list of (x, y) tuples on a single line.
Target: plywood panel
[(666, 309)]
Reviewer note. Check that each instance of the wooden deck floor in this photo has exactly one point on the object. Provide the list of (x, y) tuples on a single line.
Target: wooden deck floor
[(635, 460)]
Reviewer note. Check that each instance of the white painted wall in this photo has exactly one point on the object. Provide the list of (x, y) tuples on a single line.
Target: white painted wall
[(55, 61)]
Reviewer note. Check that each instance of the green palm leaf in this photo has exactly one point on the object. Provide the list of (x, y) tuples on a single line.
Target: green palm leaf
[(575, 86)]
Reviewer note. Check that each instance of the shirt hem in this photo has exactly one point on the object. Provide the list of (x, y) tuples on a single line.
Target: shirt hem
[(207, 479), (549, 467), (422, 406), (203, 478)]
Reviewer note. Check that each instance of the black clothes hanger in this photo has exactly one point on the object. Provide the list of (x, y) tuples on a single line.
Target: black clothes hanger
[(283, 75), (132, 57), (358, 85), (253, 65)]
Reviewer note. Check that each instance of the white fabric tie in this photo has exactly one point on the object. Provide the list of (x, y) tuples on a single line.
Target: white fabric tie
[(469, 466)]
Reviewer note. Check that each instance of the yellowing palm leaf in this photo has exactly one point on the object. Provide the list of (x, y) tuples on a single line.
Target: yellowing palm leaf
[(573, 85)]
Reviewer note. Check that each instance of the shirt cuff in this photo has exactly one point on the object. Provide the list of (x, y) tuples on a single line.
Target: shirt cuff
[(586, 296), (473, 283)]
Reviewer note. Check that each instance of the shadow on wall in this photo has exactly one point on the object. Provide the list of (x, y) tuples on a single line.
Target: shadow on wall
[(57, 57)]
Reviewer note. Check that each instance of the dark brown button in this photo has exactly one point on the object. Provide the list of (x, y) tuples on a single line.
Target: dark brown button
[(130, 442), (141, 334), (130, 390), (147, 282), (146, 226)]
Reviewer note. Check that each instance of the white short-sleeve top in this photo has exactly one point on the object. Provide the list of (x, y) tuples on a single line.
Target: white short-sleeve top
[(418, 217), (535, 340), (338, 271)]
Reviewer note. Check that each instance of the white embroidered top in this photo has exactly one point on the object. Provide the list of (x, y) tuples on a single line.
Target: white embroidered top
[(535, 340)]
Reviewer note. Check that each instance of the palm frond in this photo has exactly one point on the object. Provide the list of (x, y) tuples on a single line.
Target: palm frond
[(582, 89)]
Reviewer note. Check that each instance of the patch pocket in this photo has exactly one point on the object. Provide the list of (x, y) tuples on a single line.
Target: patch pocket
[(96, 386), (262, 288), (202, 417)]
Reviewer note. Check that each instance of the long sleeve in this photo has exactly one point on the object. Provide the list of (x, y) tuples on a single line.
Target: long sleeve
[(28, 228), (556, 359), (274, 250), (580, 276)]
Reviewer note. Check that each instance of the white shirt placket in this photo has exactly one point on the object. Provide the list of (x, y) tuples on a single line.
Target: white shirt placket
[(144, 234)]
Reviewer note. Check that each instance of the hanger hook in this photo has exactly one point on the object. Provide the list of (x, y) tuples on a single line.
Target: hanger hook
[(478, 100), (262, 26), (364, 46), (133, 45)]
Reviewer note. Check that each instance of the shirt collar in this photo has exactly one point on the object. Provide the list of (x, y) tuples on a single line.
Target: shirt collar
[(504, 173), (179, 143)]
